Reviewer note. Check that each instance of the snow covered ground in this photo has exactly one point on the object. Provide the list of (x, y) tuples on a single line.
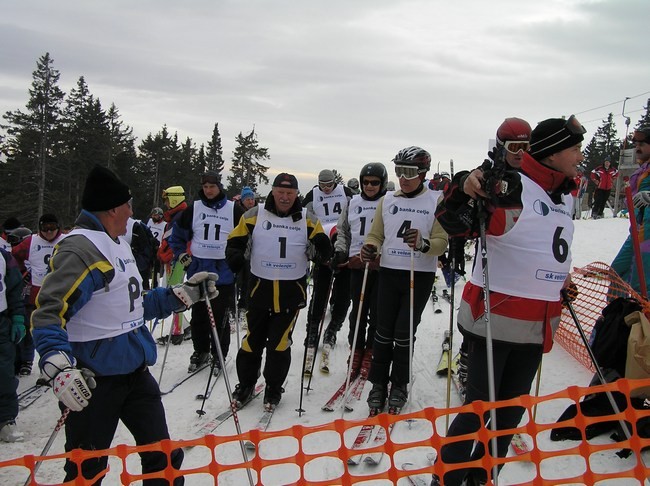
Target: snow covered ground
[(594, 241)]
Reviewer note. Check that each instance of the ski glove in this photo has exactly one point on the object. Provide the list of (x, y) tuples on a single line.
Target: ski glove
[(17, 328), (368, 253), (190, 292), (339, 259), (70, 385), (413, 238), (641, 199), (185, 259)]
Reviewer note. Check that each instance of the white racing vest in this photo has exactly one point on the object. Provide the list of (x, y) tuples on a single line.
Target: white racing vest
[(360, 216), (157, 229), (3, 285), (400, 214), (328, 207), (279, 247), (532, 259), (117, 308), (40, 252), (211, 228)]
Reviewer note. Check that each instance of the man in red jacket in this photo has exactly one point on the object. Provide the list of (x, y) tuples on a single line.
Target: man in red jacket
[(603, 176)]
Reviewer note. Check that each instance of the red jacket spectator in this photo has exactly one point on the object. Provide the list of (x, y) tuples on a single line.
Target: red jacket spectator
[(604, 175)]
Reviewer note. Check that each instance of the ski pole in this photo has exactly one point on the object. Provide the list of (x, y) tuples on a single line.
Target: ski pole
[(411, 317), (320, 331), (567, 302), (488, 332), (452, 274), (537, 383), (215, 335), (50, 441), (169, 340), (634, 232), (201, 412), (355, 336)]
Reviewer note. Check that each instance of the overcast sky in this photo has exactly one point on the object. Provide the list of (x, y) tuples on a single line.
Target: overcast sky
[(337, 84)]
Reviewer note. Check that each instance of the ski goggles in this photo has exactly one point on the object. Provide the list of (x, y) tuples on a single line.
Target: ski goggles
[(49, 227), (515, 147), (407, 171), (326, 185)]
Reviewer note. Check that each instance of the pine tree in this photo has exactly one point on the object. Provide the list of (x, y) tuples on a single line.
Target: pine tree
[(155, 170), (604, 145), (338, 178), (32, 145), (246, 169), (645, 119), (86, 141), (214, 155)]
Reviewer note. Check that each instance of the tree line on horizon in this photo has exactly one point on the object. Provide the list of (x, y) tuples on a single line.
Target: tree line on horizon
[(49, 148)]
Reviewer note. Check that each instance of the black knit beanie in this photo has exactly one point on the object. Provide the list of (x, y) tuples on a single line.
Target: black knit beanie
[(104, 190), (552, 136)]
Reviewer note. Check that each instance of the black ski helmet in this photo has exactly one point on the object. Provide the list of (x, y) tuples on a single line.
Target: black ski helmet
[(413, 156), (375, 169)]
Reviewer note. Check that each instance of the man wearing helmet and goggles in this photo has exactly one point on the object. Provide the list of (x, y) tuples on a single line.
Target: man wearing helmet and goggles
[(408, 237)]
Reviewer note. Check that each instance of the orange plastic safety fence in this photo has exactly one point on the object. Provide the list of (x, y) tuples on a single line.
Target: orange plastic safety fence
[(598, 284), (319, 455)]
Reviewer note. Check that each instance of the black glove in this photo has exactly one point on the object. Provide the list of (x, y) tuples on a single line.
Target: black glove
[(413, 238), (338, 259), (185, 259), (368, 253), (569, 294)]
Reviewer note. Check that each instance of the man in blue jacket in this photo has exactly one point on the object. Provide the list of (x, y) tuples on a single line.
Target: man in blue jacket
[(198, 241), (89, 330)]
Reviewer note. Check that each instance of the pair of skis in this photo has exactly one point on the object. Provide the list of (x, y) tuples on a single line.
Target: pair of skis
[(357, 383), (184, 379), (367, 436), (211, 425), (27, 397)]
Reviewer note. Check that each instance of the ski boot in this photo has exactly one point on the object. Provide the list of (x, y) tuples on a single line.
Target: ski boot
[(198, 359), (377, 398), (398, 397)]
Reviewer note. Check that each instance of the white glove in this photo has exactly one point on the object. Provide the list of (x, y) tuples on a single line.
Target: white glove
[(190, 292), (70, 385), (641, 199)]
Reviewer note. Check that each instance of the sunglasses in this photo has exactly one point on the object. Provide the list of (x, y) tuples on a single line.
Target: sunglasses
[(324, 185), (516, 147), (371, 183), (407, 171), (49, 227)]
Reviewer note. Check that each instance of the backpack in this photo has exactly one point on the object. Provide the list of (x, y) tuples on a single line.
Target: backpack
[(144, 246), (610, 335)]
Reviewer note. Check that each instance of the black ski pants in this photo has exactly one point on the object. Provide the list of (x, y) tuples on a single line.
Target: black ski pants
[(368, 317), (271, 331), (135, 400), (515, 366), (392, 336), (600, 200), (202, 337)]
